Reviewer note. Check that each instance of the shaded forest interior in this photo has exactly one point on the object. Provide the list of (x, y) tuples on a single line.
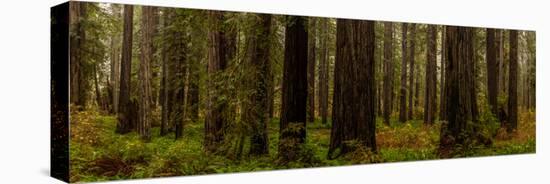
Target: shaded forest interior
[(169, 91)]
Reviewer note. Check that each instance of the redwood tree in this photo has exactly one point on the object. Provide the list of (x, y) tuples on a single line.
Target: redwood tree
[(217, 63), (323, 70), (403, 89), (492, 71), (144, 74), (430, 103), (295, 89), (125, 119), (388, 71), (411, 58), (78, 81), (459, 89), (512, 82), (311, 54), (442, 96), (353, 117), (256, 108)]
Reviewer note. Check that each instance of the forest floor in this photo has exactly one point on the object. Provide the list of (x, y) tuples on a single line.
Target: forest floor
[(97, 153)]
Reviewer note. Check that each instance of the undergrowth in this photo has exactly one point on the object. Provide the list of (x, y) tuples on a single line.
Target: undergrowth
[(97, 153)]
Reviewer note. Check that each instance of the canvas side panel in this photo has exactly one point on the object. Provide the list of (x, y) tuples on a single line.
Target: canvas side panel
[(59, 130)]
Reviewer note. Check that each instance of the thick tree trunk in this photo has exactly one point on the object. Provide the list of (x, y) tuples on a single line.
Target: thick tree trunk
[(492, 71), (312, 34), (403, 90), (295, 89), (125, 121), (354, 92), (430, 100), (512, 123), (388, 71), (411, 55), (458, 89), (256, 109), (144, 74), (323, 70)]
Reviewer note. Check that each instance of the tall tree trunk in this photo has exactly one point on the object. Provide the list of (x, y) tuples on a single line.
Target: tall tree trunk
[(403, 90), (312, 34), (256, 109), (156, 61), (217, 63), (177, 74), (502, 62), (531, 48), (295, 89), (144, 74), (78, 81), (164, 87), (411, 55), (115, 65), (388, 68), (125, 120), (323, 70), (354, 92), (458, 88), (492, 70), (430, 101), (512, 82), (442, 97)]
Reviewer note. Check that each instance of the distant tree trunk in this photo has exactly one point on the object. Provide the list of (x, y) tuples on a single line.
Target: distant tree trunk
[(412, 48), (442, 97), (311, 69), (217, 62), (492, 70), (354, 93), (323, 70), (193, 91), (79, 82), (144, 74), (115, 65), (458, 88), (256, 109), (512, 83), (99, 100), (430, 104), (403, 90), (388, 70), (295, 89), (125, 120)]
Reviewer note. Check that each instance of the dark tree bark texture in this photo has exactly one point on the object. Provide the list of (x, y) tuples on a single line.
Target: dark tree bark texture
[(354, 93)]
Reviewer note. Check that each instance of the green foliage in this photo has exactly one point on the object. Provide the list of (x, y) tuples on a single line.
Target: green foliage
[(98, 154)]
